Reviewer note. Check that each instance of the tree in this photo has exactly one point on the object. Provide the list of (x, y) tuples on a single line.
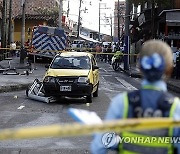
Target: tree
[(54, 13)]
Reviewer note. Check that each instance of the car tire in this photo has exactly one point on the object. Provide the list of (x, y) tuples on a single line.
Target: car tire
[(95, 94), (115, 66), (89, 98)]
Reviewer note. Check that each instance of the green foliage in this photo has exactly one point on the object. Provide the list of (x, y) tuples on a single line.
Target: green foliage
[(53, 13), (47, 11)]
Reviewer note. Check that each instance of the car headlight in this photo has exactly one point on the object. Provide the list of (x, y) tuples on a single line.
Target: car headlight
[(49, 79), (83, 80)]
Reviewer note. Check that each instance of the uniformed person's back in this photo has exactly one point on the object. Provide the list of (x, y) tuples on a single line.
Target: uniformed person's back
[(151, 100)]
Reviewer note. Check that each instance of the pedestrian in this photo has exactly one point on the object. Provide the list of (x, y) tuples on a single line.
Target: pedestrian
[(109, 51), (98, 50), (114, 47), (151, 100), (105, 53), (174, 65), (13, 48)]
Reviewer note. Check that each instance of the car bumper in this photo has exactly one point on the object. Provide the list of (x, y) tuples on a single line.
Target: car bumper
[(77, 90)]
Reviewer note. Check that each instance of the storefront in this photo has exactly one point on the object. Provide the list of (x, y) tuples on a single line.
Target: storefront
[(169, 27)]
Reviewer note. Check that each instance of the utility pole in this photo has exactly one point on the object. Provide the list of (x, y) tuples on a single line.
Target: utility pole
[(111, 27), (22, 51), (118, 16), (60, 13), (68, 9), (10, 23), (99, 21), (152, 17), (4, 17), (127, 44), (79, 19)]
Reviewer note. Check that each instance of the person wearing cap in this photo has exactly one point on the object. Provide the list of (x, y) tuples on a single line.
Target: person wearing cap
[(151, 100)]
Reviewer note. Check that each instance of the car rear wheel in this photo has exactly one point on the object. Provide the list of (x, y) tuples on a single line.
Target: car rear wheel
[(89, 98)]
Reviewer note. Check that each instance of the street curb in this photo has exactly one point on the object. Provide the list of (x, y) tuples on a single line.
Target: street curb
[(138, 75), (173, 88), (11, 88), (134, 75)]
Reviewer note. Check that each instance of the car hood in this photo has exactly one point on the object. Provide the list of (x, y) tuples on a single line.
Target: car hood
[(67, 72)]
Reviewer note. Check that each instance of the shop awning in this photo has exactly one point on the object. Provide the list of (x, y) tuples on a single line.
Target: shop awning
[(172, 16)]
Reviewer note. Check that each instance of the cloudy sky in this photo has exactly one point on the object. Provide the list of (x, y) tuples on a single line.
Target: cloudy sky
[(91, 18)]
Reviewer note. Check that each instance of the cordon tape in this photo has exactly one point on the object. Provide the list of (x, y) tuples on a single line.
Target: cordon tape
[(76, 129)]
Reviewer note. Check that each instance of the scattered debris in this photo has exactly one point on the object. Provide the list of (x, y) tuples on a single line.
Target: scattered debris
[(21, 107), (35, 92)]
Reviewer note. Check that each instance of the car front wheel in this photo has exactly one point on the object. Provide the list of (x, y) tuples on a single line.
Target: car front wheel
[(89, 98)]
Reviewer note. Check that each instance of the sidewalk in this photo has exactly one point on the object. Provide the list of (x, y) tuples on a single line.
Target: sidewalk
[(172, 84), (22, 81)]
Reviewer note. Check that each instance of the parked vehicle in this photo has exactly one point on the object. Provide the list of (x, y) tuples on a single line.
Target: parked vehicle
[(47, 41), (73, 74), (77, 44)]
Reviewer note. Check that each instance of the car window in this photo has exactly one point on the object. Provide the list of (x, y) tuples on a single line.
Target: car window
[(81, 62)]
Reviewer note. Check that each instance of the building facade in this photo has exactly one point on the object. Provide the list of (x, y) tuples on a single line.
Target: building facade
[(161, 22)]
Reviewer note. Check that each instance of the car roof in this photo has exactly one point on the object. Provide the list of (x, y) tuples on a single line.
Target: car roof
[(75, 54)]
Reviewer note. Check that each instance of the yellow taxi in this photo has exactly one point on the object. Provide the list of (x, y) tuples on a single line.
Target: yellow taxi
[(72, 74)]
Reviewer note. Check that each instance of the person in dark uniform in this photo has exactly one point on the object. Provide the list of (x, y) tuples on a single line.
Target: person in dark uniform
[(109, 50), (177, 64)]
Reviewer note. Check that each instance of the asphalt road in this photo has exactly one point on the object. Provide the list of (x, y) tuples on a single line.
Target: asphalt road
[(18, 111)]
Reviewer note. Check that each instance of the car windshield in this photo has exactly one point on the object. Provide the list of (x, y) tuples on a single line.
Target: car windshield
[(81, 62)]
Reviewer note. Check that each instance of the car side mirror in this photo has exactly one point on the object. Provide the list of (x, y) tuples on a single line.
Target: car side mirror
[(95, 67), (47, 66)]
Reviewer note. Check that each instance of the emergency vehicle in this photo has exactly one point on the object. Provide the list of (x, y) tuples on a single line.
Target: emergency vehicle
[(46, 42)]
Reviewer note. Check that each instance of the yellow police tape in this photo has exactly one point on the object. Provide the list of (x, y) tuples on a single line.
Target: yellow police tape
[(69, 130), (69, 50), (95, 53)]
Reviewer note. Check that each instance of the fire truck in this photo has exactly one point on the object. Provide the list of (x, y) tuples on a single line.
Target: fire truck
[(46, 42)]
